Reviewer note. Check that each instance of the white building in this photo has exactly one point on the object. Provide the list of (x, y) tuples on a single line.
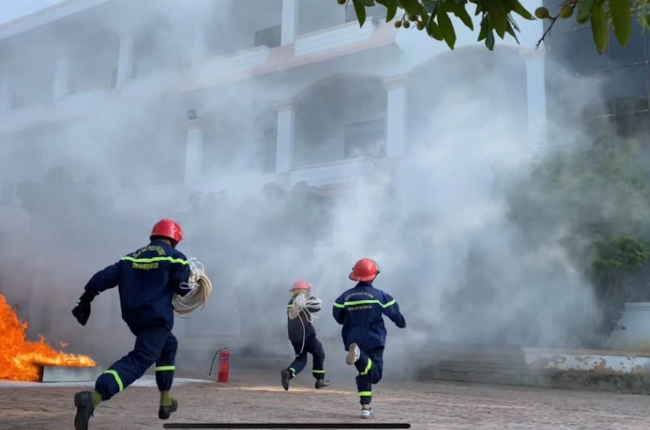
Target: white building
[(80, 55), (294, 92)]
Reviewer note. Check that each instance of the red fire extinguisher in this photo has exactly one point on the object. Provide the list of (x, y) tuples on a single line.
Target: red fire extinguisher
[(224, 365)]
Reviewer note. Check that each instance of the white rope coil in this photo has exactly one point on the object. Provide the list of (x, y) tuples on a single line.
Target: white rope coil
[(302, 304), (200, 289)]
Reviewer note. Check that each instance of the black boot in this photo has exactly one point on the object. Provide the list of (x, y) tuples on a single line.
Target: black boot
[(286, 377), (321, 383), (83, 400), (164, 412)]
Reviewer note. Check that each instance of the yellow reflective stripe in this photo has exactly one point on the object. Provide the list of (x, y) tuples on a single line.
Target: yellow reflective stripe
[(117, 378), (365, 393), (317, 371), (368, 367), (154, 259), (292, 370), (289, 306), (365, 302), (362, 302), (165, 368)]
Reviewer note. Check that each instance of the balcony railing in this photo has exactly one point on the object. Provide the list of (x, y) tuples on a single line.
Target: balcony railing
[(336, 172)]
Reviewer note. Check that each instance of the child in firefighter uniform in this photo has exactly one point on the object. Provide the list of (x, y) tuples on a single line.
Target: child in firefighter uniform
[(303, 336), (147, 280), (360, 311)]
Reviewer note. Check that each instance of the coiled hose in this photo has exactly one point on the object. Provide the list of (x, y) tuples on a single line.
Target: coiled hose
[(301, 304), (200, 289)]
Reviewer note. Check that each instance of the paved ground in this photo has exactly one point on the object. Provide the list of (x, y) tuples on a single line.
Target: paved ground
[(259, 398)]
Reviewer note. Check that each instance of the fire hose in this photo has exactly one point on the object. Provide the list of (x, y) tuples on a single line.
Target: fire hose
[(199, 287), (301, 304)]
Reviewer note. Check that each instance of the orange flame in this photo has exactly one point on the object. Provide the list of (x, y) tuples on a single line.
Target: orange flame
[(19, 358)]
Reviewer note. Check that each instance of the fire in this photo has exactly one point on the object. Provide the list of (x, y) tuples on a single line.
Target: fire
[(20, 358)]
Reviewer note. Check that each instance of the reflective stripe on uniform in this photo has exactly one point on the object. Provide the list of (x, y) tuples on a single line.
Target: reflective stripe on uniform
[(368, 367), (117, 378), (365, 302), (155, 259), (365, 393), (165, 368)]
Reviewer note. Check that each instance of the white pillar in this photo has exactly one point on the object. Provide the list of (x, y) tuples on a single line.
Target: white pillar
[(5, 94), (536, 97), (289, 21), (285, 135), (396, 117), (125, 59), (61, 79), (193, 151)]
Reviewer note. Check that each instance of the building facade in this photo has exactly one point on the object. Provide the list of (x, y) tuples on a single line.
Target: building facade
[(166, 101), (620, 108)]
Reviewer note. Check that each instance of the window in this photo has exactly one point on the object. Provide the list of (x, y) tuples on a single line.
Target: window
[(564, 50), (270, 37), (634, 52), (588, 57), (630, 89), (365, 139)]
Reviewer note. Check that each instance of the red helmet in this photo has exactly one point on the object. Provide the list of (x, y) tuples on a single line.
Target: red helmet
[(169, 229), (365, 270), (300, 285)]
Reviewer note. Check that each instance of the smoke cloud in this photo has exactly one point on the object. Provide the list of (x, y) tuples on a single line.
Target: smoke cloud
[(461, 271)]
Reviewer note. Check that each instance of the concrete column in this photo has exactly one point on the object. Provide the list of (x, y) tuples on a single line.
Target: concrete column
[(5, 94), (289, 21), (536, 97), (285, 135), (61, 79), (125, 58), (193, 151), (396, 116)]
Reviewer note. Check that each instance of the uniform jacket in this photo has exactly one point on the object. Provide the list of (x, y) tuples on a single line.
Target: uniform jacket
[(146, 280), (360, 311), (295, 327)]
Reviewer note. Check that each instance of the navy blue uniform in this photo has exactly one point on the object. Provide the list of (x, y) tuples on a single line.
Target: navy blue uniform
[(304, 341), (147, 280), (360, 311)]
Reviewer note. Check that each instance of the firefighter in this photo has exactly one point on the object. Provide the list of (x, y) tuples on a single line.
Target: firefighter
[(303, 336), (360, 311), (147, 280)]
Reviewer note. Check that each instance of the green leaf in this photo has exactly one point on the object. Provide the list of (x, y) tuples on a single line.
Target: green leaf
[(360, 10), (412, 6), (599, 27), (484, 29), (433, 30), (512, 32), (460, 11), (446, 27), (584, 9), (489, 40), (498, 16), (517, 8), (513, 22), (621, 16), (391, 8)]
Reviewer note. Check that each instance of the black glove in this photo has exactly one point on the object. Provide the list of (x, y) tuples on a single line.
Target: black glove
[(402, 323), (82, 312)]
